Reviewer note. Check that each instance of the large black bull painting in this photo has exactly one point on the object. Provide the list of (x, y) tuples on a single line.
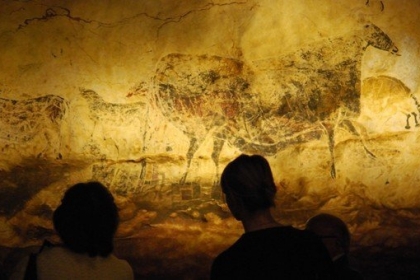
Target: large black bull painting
[(263, 106)]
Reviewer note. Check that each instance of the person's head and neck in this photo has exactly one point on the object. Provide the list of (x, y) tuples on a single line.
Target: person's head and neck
[(87, 219), (248, 185), (333, 232)]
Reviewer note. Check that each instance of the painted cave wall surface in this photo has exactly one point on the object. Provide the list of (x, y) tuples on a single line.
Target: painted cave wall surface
[(153, 98)]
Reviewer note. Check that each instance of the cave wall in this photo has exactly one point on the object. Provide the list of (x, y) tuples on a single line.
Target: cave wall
[(153, 98)]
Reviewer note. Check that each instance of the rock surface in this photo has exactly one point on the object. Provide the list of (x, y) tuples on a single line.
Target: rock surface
[(154, 98)]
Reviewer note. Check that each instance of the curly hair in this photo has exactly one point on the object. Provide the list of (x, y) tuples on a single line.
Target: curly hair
[(87, 219)]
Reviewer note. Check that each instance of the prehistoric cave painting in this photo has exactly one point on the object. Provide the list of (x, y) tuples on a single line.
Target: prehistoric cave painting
[(198, 94), (391, 103), (132, 178), (116, 113), (321, 77), (183, 194), (118, 117), (291, 99), (149, 184), (51, 13), (22, 121), (321, 82), (376, 3)]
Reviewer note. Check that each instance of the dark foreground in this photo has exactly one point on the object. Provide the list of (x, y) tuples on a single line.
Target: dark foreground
[(173, 260)]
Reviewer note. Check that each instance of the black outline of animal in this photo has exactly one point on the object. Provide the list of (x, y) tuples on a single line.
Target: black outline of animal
[(102, 112), (204, 95)]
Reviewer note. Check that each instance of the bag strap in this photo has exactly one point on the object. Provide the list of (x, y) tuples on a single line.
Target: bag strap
[(31, 273), (31, 270)]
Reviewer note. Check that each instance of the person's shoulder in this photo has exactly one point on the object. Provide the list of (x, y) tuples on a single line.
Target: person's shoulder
[(345, 271), (233, 252), (296, 233), (223, 265), (53, 252), (123, 265), (305, 242), (119, 261)]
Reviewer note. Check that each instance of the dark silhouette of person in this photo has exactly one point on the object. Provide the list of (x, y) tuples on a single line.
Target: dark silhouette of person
[(336, 237), (267, 249), (86, 222)]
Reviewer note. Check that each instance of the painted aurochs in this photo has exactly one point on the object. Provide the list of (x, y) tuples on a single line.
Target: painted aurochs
[(22, 121), (263, 106)]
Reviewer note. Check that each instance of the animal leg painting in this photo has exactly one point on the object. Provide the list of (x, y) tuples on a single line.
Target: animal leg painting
[(272, 103)]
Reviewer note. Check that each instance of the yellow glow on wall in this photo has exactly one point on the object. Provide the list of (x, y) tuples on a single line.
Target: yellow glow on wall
[(153, 98)]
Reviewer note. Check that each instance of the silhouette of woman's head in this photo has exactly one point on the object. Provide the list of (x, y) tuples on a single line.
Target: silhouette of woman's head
[(249, 179), (87, 219)]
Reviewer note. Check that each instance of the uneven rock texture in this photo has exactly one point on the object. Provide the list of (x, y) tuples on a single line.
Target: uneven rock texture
[(154, 98)]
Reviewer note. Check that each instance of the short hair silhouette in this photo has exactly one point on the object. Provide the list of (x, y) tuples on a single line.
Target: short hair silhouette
[(332, 226), (87, 219), (267, 249), (250, 179)]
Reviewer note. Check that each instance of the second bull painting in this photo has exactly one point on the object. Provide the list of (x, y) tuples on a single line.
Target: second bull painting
[(154, 98), (260, 107)]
